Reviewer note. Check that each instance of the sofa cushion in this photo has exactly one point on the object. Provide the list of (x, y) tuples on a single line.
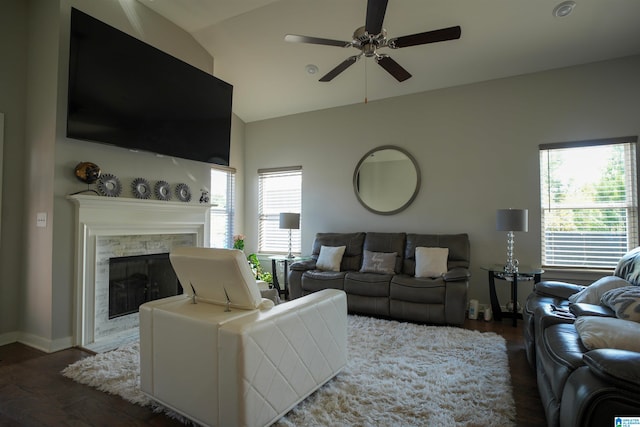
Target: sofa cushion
[(378, 262), (431, 262), (608, 332), (316, 280), (330, 258), (387, 243), (367, 284), (629, 267), (625, 302), (458, 245), (352, 258), (417, 290), (592, 293)]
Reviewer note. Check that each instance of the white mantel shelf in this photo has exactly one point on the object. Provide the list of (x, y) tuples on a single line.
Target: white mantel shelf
[(97, 217), (129, 205)]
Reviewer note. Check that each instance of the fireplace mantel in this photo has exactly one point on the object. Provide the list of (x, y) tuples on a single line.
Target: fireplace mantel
[(97, 217)]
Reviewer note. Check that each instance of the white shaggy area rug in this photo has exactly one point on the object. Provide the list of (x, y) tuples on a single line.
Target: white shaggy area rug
[(398, 374)]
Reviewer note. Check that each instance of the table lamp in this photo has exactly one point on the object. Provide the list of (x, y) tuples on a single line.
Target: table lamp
[(511, 220), (290, 221)]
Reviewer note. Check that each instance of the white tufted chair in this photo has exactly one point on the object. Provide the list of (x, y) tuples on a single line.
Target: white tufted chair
[(244, 367)]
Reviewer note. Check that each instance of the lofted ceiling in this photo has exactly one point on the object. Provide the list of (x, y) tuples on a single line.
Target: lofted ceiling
[(500, 38)]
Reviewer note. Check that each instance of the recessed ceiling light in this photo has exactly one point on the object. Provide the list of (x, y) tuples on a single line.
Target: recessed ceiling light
[(563, 9), (311, 69)]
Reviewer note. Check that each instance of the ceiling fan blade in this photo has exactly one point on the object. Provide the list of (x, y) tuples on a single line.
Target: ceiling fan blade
[(315, 40), (440, 35), (393, 68), (375, 16), (340, 68)]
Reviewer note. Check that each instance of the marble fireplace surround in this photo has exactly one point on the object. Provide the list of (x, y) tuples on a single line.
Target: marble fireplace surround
[(109, 226)]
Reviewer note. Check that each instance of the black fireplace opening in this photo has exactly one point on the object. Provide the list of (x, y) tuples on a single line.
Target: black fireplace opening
[(134, 280)]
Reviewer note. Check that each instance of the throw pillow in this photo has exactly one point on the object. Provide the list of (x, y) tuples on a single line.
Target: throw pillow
[(379, 262), (592, 293), (431, 262), (608, 332), (330, 258), (625, 302)]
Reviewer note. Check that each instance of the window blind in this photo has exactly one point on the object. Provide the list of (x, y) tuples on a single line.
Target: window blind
[(279, 190), (222, 209), (589, 207)]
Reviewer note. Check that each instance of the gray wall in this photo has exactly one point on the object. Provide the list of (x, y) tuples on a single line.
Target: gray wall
[(37, 289), (13, 50), (477, 147)]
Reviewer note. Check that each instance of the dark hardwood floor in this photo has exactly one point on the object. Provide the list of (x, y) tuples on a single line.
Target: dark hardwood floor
[(34, 393)]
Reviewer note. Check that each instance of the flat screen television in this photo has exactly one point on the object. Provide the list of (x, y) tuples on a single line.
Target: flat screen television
[(127, 93)]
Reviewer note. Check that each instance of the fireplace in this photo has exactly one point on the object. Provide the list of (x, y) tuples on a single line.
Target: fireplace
[(134, 280), (117, 227)]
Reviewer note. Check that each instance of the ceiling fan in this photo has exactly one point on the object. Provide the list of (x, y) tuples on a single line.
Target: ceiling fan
[(372, 36)]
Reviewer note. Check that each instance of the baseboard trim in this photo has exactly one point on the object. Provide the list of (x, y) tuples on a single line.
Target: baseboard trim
[(8, 338), (43, 344)]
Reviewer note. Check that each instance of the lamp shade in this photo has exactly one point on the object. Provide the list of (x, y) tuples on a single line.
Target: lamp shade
[(289, 221), (512, 220)]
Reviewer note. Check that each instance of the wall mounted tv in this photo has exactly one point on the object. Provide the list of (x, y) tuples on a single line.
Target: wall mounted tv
[(127, 93)]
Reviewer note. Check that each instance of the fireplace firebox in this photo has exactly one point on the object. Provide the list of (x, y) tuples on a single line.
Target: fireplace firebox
[(134, 280)]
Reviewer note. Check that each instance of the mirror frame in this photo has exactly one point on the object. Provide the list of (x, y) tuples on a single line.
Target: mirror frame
[(415, 191)]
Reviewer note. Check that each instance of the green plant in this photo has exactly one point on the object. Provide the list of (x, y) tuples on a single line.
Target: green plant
[(254, 262)]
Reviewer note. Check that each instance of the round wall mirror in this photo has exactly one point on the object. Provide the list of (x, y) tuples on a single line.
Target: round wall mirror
[(386, 180)]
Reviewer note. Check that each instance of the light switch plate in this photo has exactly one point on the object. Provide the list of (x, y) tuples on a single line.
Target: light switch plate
[(41, 219)]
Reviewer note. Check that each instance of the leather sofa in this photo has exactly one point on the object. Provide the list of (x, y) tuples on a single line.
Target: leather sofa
[(397, 294), (223, 356), (587, 366)]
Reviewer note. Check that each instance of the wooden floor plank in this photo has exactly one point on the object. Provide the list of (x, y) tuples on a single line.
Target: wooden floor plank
[(34, 393)]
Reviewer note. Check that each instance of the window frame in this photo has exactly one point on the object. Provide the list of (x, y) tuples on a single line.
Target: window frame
[(630, 205), (227, 211), (272, 239)]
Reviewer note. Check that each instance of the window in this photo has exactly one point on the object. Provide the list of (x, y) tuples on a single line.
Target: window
[(589, 202), (279, 190), (222, 207)]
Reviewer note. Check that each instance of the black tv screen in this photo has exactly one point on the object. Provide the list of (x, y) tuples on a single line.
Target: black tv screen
[(127, 93)]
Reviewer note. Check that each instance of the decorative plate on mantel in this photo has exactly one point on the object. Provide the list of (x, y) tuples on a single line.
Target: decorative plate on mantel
[(163, 190), (183, 192), (109, 185), (141, 188)]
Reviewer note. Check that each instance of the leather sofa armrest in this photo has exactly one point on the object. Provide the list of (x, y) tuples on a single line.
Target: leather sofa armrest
[(582, 309), (456, 274), (307, 264), (556, 289), (619, 367)]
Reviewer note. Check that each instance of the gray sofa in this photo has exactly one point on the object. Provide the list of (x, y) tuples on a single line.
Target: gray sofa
[(400, 295), (584, 383)]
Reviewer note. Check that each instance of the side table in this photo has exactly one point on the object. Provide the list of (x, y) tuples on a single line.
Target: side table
[(496, 271), (284, 290)]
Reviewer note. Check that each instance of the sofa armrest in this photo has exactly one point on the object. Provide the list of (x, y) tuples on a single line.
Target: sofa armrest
[(556, 289), (583, 309), (456, 274), (307, 264), (619, 367)]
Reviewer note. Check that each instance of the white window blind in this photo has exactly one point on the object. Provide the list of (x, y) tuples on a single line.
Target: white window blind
[(222, 209), (589, 202), (279, 190)]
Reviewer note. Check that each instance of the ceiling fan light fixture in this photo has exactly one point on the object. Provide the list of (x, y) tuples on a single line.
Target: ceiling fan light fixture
[(311, 69), (564, 9)]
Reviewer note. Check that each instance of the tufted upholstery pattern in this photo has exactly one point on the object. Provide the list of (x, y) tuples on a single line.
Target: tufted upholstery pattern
[(244, 367), (282, 356)]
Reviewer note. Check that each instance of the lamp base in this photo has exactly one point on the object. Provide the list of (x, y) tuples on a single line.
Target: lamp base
[(512, 264)]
